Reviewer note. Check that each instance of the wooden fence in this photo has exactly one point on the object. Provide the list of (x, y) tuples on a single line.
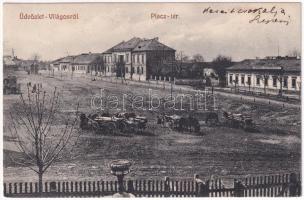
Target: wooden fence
[(261, 186)]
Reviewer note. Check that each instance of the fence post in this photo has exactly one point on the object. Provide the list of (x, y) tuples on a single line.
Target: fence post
[(238, 188), (4, 189), (202, 189), (294, 185), (15, 188), (167, 186), (130, 186)]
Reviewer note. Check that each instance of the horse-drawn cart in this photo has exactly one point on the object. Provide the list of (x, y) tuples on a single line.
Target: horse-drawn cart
[(237, 120), (120, 122)]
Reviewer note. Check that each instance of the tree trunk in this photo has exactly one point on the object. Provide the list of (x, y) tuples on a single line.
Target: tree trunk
[(40, 184)]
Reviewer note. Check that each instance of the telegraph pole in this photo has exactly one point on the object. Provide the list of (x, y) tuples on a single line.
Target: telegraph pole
[(171, 90)]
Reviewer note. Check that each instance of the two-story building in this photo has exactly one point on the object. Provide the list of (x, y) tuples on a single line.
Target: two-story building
[(137, 58), (269, 75)]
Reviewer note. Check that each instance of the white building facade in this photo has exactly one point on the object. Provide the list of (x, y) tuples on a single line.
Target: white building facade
[(266, 75)]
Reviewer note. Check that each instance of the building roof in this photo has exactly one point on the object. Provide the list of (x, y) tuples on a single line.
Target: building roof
[(128, 45), (284, 63), (8, 61), (152, 45), (86, 58), (139, 44), (67, 59)]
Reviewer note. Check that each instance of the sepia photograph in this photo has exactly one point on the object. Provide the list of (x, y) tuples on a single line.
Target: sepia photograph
[(151, 99)]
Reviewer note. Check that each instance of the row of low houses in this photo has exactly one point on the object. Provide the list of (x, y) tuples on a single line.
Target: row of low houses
[(13, 63), (143, 59), (268, 75), (136, 59)]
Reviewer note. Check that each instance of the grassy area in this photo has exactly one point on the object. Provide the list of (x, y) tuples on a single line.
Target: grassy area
[(219, 151)]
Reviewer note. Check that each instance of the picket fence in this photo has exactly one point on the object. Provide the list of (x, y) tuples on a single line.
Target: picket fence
[(262, 186)]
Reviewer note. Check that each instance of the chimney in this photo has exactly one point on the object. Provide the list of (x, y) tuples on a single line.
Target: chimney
[(156, 38)]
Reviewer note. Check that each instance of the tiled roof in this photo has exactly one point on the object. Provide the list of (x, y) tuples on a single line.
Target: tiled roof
[(67, 59), (128, 45), (138, 44), (8, 60), (292, 65), (151, 45), (86, 58)]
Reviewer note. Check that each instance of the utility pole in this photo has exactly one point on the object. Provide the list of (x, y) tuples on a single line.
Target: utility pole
[(172, 77)]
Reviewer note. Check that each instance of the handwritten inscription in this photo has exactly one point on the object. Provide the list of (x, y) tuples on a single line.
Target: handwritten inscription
[(260, 15)]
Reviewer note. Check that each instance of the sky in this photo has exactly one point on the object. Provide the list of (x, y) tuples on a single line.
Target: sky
[(102, 25)]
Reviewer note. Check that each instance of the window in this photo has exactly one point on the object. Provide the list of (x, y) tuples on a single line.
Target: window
[(258, 80), (230, 78), (242, 79), (285, 81), (127, 57), (266, 81), (274, 81), (249, 80), (137, 58), (293, 82), (127, 70), (142, 70), (142, 58), (137, 70), (236, 79)]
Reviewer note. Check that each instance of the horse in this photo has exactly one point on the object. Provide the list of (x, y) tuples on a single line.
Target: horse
[(83, 121), (189, 123)]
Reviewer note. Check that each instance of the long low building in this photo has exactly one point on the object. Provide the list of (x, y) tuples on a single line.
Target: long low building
[(83, 63), (268, 75)]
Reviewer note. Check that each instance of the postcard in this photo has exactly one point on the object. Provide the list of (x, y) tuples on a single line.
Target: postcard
[(152, 99)]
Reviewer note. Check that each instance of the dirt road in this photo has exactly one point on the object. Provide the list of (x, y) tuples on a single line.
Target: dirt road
[(218, 151)]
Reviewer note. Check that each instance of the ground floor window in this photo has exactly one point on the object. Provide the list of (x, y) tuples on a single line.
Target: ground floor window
[(265, 81), (127, 69), (142, 70), (242, 79), (249, 80), (258, 80), (274, 81), (236, 79), (138, 70), (285, 81), (230, 78), (293, 82)]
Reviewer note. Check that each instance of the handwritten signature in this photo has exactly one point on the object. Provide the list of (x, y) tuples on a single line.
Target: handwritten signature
[(261, 15)]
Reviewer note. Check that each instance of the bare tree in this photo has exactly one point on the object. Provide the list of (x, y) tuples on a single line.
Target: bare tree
[(198, 58), (220, 64), (35, 63), (36, 57), (180, 58), (295, 53), (265, 78), (38, 139)]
